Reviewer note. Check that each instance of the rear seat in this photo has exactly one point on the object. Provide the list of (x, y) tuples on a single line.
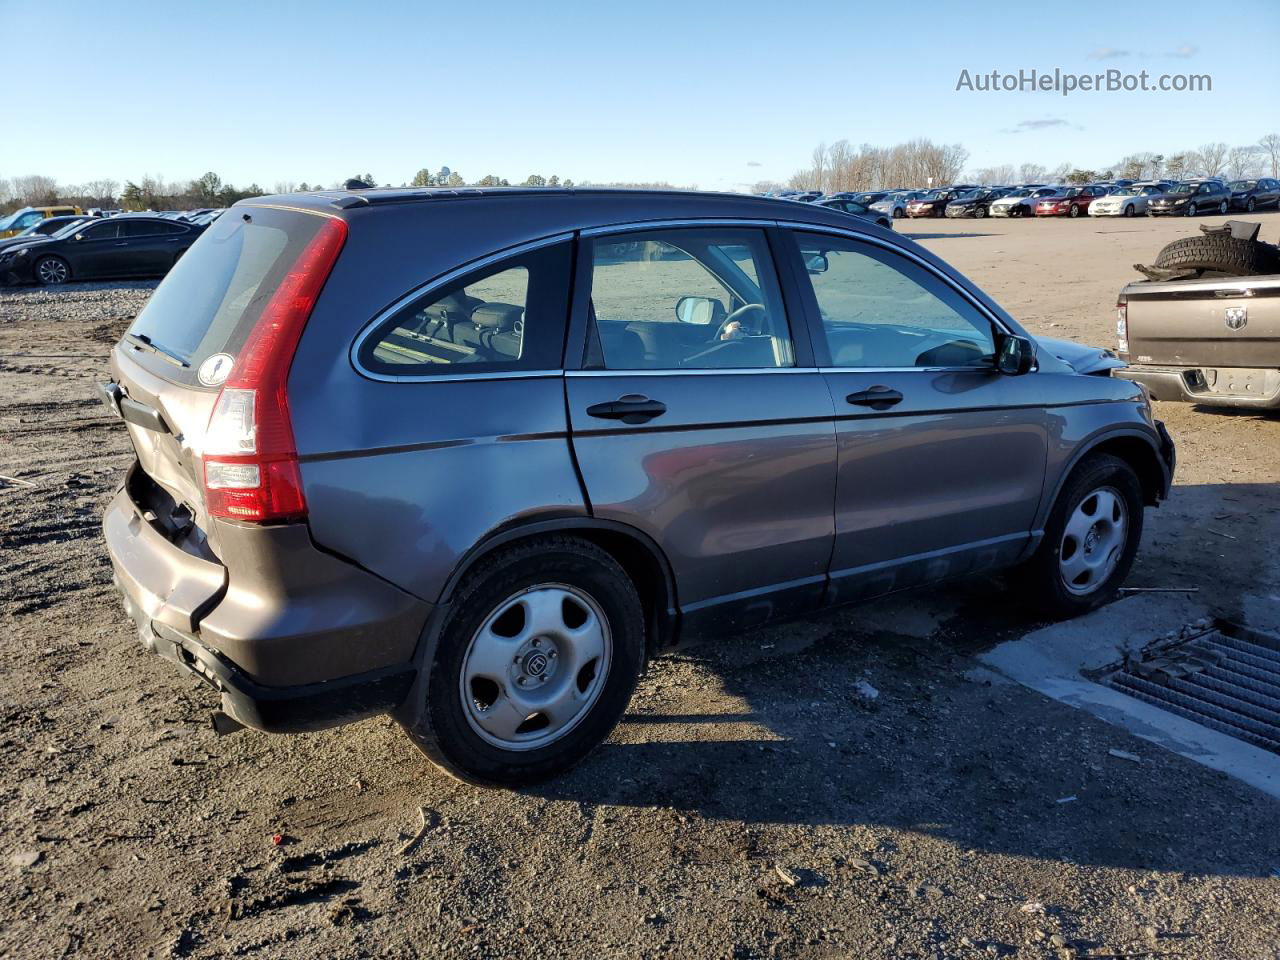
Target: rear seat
[(494, 328)]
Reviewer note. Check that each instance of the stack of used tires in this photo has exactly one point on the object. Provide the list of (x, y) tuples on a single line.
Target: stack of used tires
[(1231, 250)]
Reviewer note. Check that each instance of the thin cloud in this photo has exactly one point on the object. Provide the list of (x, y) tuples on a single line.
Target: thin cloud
[(1026, 125), (1185, 52), (1108, 53), (754, 163)]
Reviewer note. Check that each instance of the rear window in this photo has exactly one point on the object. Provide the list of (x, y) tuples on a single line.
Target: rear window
[(215, 293)]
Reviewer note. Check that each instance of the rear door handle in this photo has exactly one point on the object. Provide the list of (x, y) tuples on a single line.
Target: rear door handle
[(877, 398), (632, 408)]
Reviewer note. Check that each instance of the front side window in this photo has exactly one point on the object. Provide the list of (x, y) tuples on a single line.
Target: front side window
[(503, 318), (695, 299), (102, 231), (880, 310)]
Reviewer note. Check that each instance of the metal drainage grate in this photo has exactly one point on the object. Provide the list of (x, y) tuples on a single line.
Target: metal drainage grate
[(1224, 676)]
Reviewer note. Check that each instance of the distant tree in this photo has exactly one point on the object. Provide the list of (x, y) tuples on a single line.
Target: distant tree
[(553, 181), (423, 178), (206, 188), (767, 186), (489, 180), (253, 190), (1030, 172), (1270, 146), (455, 180), (534, 180), (35, 189), (284, 186), (1157, 162), (303, 187), (1178, 165), (1081, 176), (131, 197), (1242, 162), (567, 182), (1211, 158)]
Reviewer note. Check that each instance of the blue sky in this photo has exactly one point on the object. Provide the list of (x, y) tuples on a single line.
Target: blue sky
[(714, 94)]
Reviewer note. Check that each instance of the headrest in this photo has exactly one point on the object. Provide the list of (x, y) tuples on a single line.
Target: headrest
[(497, 316)]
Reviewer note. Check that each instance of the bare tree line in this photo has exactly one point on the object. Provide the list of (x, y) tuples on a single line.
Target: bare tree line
[(921, 163)]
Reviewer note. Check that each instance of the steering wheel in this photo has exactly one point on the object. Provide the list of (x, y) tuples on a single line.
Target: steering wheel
[(740, 315)]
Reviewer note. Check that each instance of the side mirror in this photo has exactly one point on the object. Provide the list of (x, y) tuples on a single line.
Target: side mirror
[(1015, 356), (817, 263), (78, 236), (700, 311)]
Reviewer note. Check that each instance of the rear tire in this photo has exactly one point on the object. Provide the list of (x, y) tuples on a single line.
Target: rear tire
[(535, 664), (1090, 540)]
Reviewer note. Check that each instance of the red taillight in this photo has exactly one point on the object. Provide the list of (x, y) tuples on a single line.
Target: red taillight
[(250, 459)]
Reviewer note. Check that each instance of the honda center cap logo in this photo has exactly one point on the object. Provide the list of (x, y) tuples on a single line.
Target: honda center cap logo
[(215, 370)]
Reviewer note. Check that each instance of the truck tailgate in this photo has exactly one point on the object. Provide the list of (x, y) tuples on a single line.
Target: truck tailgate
[(1214, 323)]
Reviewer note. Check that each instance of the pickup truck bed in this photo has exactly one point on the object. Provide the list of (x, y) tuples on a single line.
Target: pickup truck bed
[(1215, 342)]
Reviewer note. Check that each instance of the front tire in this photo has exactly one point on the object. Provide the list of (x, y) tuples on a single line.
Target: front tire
[(979, 212), (1192, 209), (52, 271), (1128, 210), (1074, 211), (1251, 205), (535, 665), (1090, 540), (1223, 207)]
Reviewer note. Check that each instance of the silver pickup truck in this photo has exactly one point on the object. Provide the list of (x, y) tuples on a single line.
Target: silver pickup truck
[(1200, 340)]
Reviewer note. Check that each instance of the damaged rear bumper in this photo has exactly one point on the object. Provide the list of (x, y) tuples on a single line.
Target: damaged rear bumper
[(1257, 389)]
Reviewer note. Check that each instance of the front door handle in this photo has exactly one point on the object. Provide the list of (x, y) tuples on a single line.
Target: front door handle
[(632, 408), (877, 398)]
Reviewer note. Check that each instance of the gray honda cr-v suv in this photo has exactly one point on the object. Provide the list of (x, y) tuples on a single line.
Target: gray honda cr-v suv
[(471, 457)]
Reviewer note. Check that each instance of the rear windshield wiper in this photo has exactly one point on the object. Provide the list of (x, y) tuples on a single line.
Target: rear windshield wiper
[(144, 342)]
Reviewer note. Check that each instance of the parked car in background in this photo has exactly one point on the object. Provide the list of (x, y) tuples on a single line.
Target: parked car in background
[(933, 203), (1071, 202), (287, 552), (895, 202), (1128, 201), (1022, 202), (1249, 195), (43, 228), (20, 220), (130, 245), (1191, 197), (854, 208), (976, 203)]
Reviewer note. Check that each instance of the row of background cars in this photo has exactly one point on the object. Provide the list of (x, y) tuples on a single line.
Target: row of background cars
[(51, 245), (1115, 198)]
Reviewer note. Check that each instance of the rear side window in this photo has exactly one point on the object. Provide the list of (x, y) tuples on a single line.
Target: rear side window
[(507, 317), (215, 293)]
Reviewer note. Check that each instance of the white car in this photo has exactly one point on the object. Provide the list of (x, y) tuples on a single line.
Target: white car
[(1130, 201), (1022, 203)]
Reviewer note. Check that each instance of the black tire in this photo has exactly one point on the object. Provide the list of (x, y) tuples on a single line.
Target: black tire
[(1074, 211), (1223, 207), (979, 212), (1221, 254), (1040, 577), (898, 213), (1251, 205), (51, 271), (1192, 209), (435, 716), (1128, 210)]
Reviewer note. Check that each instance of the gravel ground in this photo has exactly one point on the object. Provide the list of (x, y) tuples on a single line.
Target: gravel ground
[(839, 787)]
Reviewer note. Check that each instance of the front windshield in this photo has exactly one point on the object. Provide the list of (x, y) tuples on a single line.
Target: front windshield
[(1243, 184), (1018, 196), (1126, 192), (867, 198), (1073, 192), (1184, 188), (6, 223)]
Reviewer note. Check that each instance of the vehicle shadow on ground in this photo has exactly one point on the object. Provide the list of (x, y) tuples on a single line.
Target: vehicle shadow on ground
[(939, 749)]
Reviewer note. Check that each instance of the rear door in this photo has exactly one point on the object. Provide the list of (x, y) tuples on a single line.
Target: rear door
[(940, 460), (699, 418), (146, 247)]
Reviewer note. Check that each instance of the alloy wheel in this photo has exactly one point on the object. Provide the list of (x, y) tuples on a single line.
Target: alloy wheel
[(536, 667), (52, 270)]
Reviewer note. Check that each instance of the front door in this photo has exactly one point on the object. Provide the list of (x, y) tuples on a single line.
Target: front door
[(699, 419), (940, 458)]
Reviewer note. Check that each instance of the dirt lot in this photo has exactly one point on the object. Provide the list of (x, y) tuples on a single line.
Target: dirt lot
[(923, 821)]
